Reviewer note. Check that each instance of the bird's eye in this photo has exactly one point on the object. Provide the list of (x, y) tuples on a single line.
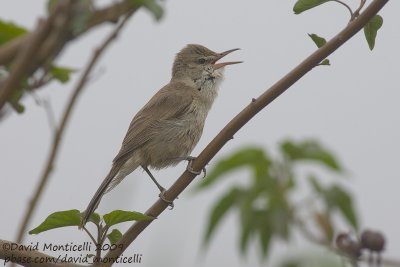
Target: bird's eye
[(202, 60)]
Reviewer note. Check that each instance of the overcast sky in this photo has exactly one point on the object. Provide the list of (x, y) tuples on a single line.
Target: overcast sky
[(351, 107)]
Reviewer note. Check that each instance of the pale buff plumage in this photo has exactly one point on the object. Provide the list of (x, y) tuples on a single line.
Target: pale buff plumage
[(169, 126)]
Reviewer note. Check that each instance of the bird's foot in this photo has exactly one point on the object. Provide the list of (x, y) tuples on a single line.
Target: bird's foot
[(162, 197), (189, 167)]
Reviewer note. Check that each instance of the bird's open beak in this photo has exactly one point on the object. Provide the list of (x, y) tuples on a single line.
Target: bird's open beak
[(223, 64)]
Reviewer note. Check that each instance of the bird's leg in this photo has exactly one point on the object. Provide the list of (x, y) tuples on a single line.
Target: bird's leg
[(162, 189), (189, 167)]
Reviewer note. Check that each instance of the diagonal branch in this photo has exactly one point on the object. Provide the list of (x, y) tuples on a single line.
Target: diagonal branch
[(61, 129), (243, 117)]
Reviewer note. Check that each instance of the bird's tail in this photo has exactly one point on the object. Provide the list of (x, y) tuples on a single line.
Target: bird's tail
[(104, 188)]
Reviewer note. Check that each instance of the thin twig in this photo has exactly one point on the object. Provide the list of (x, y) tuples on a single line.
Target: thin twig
[(357, 12), (347, 6), (46, 104), (90, 235), (61, 129), (242, 118)]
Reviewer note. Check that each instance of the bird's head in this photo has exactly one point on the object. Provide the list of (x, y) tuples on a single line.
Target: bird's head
[(198, 63)]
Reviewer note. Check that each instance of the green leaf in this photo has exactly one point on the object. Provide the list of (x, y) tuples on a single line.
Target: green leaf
[(303, 5), (247, 232), (62, 74), (279, 220), (325, 62), (51, 4), (57, 220), (310, 150), (319, 41), (95, 218), (252, 156), (220, 209), (16, 96), (337, 197), (119, 216), (153, 6), (265, 236), (84, 12), (15, 100), (9, 31), (114, 236), (315, 184), (371, 30)]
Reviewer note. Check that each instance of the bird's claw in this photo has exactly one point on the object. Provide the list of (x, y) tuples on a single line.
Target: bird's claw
[(189, 167), (169, 202)]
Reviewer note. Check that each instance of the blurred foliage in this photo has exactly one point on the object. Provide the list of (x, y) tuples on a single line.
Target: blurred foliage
[(311, 259), (266, 207), (9, 31), (49, 72)]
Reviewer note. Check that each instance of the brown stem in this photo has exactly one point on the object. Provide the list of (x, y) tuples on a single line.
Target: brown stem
[(243, 117), (90, 235), (357, 12)]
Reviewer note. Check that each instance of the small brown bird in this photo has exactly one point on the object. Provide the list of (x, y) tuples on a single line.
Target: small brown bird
[(165, 131)]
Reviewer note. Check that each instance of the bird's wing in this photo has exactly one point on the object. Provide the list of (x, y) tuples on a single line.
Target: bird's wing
[(169, 103)]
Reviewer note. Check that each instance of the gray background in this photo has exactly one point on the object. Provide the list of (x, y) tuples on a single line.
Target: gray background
[(351, 107)]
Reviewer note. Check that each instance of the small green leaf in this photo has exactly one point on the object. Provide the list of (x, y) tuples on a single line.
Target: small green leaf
[(265, 235), (153, 6), (303, 5), (337, 197), (9, 31), (325, 62), (252, 156), (119, 216), (57, 220), (279, 220), (247, 232), (220, 209), (371, 30), (95, 218), (315, 184), (16, 96), (319, 41), (114, 236), (310, 150), (51, 4), (62, 74)]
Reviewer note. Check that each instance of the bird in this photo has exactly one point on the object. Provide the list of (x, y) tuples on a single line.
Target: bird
[(166, 130)]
